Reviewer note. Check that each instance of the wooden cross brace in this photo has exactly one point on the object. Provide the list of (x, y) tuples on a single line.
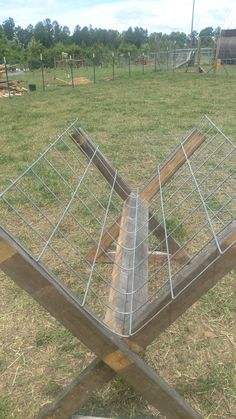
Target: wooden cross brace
[(117, 355)]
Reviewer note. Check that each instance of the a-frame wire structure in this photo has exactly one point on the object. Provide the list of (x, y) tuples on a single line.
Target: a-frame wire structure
[(117, 265)]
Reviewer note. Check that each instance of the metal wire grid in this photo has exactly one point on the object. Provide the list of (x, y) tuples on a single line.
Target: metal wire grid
[(61, 206)]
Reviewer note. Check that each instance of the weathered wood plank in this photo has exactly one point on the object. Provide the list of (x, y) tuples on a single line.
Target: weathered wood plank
[(50, 293), (191, 144), (154, 258), (82, 140), (207, 270), (180, 255), (155, 227), (77, 392), (130, 267), (168, 316)]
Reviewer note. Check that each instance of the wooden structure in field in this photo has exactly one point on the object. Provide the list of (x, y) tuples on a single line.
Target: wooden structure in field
[(227, 46), (137, 261)]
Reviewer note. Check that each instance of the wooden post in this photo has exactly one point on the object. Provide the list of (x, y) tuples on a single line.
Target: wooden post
[(42, 70), (6, 72), (192, 143), (168, 315), (199, 54), (195, 280), (94, 69), (130, 271), (113, 66), (129, 63), (47, 290), (83, 141), (71, 72)]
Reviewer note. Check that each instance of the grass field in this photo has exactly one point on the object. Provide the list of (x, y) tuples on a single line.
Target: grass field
[(136, 122)]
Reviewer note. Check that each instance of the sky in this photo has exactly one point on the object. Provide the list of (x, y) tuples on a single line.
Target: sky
[(155, 15)]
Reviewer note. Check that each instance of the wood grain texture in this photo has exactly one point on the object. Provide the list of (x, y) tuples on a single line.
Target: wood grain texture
[(208, 268), (130, 271), (77, 392), (82, 140), (154, 258), (167, 171), (50, 293)]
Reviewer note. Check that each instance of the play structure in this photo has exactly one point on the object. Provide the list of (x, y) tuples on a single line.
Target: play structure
[(117, 265)]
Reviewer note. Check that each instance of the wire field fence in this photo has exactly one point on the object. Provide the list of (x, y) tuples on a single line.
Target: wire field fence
[(61, 207), (106, 68)]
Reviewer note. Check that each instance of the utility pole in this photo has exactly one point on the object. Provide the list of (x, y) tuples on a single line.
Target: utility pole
[(193, 10)]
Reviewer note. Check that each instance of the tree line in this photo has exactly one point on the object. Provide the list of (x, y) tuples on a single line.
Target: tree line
[(24, 45)]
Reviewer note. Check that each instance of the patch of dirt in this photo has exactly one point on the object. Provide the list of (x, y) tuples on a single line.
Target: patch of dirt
[(81, 80)]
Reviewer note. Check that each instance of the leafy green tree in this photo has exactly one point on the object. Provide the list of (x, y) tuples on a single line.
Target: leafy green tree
[(24, 36), (76, 35), (35, 48), (206, 35), (178, 40), (3, 44), (9, 28), (43, 32)]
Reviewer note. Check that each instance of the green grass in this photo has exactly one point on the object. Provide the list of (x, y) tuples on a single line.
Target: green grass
[(136, 122)]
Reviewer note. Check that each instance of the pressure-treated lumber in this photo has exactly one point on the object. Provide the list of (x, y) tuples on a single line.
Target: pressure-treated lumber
[(194, 280), (167, 171), (50, 293), (77, 392), (191, 144), (154, 258), (129, 289), (82, 140), (180, 255), (218, 269)]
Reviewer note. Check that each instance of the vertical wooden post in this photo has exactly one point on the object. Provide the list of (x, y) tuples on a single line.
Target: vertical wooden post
[(71, 72), (94, 69), (129, 63), (113, 66), (199, 54), (6, 72), (143, 63), (42, 70)]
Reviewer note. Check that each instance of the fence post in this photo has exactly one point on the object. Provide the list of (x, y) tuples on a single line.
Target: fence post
[(71, 72), (94, 70), (129, 63), (113, 66), (6, 72), (42, 69)]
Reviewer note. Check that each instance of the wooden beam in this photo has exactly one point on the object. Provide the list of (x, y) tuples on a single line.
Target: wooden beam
[(167, 171), (107, 239), (194, 281), (130, 271), (167, 317), (77, 392), (82, 140), (154, 258), (180, 255), (155, 227), (47, 290), (191, 144)]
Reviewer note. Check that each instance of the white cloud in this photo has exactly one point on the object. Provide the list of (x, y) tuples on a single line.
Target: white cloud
[(155, 15)]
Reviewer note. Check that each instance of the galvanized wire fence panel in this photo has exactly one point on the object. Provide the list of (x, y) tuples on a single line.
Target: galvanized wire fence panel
[(61, 206)]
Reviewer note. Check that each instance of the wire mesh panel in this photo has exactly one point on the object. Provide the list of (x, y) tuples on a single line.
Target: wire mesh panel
[(62, 206)]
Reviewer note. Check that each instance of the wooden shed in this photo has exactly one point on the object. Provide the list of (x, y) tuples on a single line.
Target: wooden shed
[(227, 46)]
